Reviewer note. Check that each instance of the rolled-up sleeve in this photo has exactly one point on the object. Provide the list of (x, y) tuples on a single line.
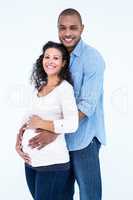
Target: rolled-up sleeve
[(92, 86), (69, 121)]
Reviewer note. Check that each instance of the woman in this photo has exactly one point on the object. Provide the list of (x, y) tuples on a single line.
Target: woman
[(53, 108)]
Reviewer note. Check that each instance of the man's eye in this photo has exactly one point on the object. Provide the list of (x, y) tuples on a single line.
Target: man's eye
[(74, 28)]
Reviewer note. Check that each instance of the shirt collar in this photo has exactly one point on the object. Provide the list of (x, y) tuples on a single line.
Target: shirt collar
[(77, 49)]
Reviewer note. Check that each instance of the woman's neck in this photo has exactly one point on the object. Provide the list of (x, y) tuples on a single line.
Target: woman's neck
[(53, 81)]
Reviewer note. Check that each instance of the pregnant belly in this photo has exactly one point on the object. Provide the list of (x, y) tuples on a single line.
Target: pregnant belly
[(54, 153)]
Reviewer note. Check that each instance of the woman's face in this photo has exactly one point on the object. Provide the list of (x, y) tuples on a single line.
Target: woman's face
[(52, 61)]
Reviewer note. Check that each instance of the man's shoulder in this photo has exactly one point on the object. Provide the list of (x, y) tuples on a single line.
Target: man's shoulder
[(91, 57), (89, 50)]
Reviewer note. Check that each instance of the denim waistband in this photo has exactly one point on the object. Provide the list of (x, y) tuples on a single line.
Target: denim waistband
[(55, 167)]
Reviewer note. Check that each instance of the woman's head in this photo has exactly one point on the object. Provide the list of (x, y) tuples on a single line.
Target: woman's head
[(54, 60)]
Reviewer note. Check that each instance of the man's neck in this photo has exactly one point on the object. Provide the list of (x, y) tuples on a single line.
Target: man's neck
[(70, 49)]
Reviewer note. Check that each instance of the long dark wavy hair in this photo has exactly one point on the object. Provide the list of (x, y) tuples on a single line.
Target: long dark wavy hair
[(39, 76)]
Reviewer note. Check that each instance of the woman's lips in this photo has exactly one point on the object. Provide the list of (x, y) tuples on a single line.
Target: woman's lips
[(50, 67)]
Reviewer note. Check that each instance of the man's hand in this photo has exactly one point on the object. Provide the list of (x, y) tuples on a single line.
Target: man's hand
[(18, 145), (42, 139)]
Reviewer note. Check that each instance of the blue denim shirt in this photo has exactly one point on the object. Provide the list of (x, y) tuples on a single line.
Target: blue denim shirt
[(87, 68)]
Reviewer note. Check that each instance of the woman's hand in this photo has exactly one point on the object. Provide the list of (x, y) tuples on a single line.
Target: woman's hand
[(18, 146), (34, 122)]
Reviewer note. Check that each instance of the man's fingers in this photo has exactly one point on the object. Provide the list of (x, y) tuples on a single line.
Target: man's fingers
[(34, 144), (34, 139), (42, 139), (37, 142), (38, 130), (41, 146)]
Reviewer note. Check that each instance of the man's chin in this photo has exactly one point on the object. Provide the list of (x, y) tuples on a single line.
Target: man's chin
[(68, 45)]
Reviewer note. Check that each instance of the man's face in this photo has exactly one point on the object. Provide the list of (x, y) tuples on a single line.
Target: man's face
[(69, 30)]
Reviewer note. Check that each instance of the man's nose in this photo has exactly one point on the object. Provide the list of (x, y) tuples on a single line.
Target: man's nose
[(68, 32)]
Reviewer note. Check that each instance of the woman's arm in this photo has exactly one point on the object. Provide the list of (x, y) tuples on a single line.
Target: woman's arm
[(37, 122)]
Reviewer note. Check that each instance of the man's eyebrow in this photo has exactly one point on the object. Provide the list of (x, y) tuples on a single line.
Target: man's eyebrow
[(72, 25)]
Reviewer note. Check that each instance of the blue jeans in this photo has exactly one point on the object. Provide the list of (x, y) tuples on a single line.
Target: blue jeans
[(47, 185), (86, 170)]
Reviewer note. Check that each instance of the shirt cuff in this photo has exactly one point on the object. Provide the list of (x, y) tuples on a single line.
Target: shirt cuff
[(58, 126), (87, 110)]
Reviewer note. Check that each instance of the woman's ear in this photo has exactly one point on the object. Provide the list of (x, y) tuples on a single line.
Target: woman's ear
[(64, 63)]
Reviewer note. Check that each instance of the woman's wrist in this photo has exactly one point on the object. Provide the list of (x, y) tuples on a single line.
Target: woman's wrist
[(42, 124)]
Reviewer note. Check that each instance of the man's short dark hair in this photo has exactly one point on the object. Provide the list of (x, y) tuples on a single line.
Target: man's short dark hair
[(70, 11)]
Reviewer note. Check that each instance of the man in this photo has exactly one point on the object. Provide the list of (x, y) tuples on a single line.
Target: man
[(87, 68)]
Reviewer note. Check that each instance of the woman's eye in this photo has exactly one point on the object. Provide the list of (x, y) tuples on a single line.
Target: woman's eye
[(46, 57), (56, 58), (62, 29)]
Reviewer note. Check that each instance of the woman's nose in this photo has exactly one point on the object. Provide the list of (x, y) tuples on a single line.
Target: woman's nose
[(50, 61)]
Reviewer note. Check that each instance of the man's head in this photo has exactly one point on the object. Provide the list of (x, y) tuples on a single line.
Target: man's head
[(70, 28)]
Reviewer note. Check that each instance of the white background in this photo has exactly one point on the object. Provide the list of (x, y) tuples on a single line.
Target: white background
[(24, 27)]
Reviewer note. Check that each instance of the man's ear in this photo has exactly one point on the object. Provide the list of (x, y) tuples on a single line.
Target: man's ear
[(82, 28)]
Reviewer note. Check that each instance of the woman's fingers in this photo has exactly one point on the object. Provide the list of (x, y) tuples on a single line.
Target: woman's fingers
[(19, 150)]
